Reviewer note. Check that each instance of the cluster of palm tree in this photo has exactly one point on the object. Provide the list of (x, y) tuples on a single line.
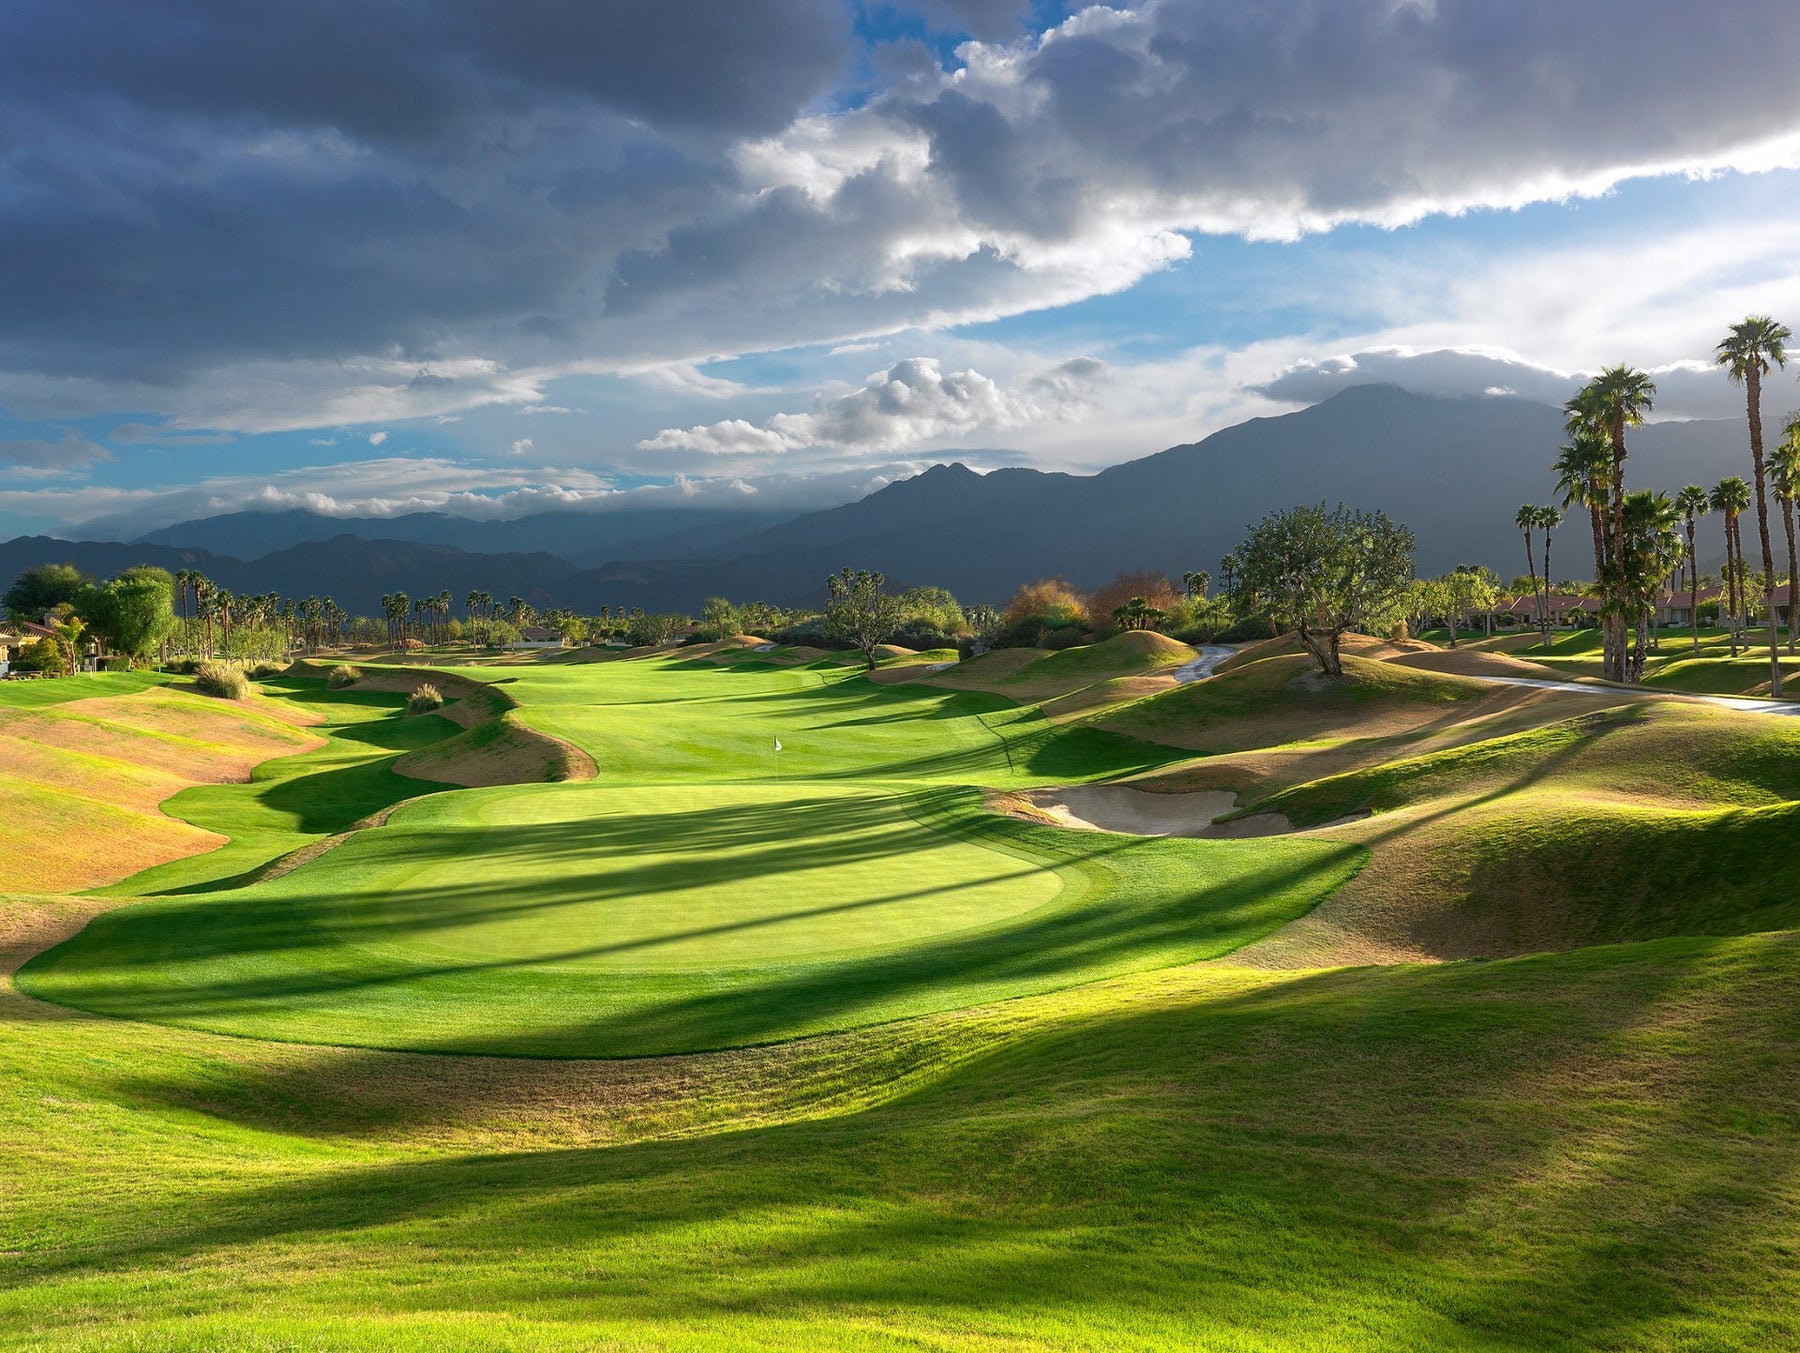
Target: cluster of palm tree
[(1642, 538)]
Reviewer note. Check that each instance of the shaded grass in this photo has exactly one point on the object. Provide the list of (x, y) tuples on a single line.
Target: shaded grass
[(295, 801), (1586, 1151), (751, 920)]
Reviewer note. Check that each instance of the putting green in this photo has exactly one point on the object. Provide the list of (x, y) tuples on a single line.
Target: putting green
[(691, 877), (705, 891)]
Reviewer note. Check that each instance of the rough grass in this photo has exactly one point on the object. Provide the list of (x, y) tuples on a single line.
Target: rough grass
[(83, 780)]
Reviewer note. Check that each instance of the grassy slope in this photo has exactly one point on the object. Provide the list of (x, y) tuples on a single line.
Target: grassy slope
[(296, 801), (494, 921), (1587, 1151), (86, 764)]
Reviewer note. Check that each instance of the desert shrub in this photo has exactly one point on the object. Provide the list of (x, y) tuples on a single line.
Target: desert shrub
[(185, 666), (921, 637), (258, 670), (1049, 603), (1073, 637), (931, 611), (1248, 630), (646, 631), (41, 655), (343, 675), (809, 631), (424, 699), (222, 679)]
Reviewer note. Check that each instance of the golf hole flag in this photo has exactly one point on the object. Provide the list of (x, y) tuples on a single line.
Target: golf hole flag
[(778, 744)]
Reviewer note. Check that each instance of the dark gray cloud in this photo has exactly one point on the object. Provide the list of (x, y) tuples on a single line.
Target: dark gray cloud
[(197, 186)]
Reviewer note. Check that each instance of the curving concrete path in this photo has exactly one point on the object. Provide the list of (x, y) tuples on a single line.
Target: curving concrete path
[(1211, 655)]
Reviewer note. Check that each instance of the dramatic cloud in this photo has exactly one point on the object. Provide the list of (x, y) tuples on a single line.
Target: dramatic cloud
[(251, 217), (911, 403)]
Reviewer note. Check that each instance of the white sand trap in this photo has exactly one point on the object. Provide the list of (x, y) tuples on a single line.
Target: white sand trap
[(1137, 812)]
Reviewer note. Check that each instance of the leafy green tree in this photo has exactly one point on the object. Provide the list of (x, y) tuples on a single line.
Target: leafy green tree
[(651, 630), (1752, 348), (1692, 503), (718, 619), (860, 613), (69, 631), (40, 590), (134, 612), (1326, 571)]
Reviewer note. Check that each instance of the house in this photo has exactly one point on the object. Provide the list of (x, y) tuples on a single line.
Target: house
[(535, 637), (1564, 608)]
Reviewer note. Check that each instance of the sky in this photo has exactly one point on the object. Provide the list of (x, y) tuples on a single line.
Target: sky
[(377, 256)]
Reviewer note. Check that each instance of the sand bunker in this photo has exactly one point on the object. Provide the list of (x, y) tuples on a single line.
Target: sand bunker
[(1137, 812)]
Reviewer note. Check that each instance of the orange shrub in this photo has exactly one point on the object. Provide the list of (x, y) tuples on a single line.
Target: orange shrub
[(1048, 601)]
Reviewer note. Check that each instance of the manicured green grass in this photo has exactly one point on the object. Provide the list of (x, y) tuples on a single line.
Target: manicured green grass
[(297, 800), (61, 690), (705, 891), (1581, 1151), (1584, 1151)]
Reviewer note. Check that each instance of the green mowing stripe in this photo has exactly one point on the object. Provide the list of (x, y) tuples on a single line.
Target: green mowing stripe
[(294, 801), (595, 921), (61, 690)]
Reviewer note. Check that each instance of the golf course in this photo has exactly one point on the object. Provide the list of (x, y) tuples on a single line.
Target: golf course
[(575, 1014)]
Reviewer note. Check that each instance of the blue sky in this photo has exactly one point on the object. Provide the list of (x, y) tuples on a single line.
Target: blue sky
[(591, 256)]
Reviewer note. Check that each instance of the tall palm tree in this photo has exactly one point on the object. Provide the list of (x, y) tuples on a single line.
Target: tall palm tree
[(1584, 478), (1732, 498), (1784, 472), (1653, 548), (1693, 504), (1616, 399), (1548, 519), (1526, 519), (1748, 352)]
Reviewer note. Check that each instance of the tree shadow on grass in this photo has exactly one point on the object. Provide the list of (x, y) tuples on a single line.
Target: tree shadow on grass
[(1427, 1157), (1126, 904)]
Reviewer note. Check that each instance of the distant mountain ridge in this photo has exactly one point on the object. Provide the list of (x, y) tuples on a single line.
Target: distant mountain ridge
[(1455, 470), (586, 538)]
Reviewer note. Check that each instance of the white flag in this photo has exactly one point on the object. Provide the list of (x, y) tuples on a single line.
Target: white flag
[(778, 744)]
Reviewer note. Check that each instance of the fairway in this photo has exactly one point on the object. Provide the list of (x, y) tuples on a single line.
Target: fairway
[(705, 891)]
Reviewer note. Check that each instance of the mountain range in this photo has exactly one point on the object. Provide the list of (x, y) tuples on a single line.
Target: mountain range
[(1454, 470)]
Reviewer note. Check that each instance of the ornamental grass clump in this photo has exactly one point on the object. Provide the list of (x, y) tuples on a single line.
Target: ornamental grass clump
[(425, 699), (222, 679), (343, 675)]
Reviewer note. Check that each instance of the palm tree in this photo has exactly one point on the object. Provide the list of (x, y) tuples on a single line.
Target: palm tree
[(1583, 476), (1784, 471), (1732, 497), (1526, 519), (1616, 399), (1692, 503), (1653, 548), (1548, 519), (1748, 352)]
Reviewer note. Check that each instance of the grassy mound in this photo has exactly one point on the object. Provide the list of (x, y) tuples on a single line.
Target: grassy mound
[(1284, 699), (83, 779)]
